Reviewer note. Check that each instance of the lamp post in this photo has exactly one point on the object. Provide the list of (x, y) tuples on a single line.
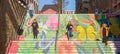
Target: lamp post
[(60, 7), (96, 7)]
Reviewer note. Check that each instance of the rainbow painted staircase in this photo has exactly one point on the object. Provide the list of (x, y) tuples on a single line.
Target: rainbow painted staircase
[(63, 47), (48, 44)]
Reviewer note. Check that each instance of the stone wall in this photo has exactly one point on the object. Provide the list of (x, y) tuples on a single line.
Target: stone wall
[(11, 16)]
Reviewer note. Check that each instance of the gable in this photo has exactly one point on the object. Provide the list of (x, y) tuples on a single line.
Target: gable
[(50, 11)]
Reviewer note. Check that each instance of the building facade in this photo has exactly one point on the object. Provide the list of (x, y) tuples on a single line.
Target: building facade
[(49, 11), (11, 17), (103, 6), (85, 6), (115, 7), (106, 6)]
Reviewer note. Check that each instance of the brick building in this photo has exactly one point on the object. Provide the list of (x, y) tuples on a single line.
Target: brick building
[(115, 7), (11, 17), (49, 9), (85, 6), (104, 6)]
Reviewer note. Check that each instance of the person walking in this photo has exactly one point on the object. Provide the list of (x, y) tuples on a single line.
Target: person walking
[(104, 33), (31, 8), (35, 28), (69, 30)]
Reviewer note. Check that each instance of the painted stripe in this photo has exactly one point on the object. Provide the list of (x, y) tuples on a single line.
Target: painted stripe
[(49, 44), (79, 48), (101, 48)]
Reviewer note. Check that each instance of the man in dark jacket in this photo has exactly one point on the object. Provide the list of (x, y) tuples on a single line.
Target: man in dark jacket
[(35, 28)]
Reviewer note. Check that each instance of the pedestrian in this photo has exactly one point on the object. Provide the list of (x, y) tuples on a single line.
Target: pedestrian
[(35, 28), (104, 33), (69, 28), (31, 8)]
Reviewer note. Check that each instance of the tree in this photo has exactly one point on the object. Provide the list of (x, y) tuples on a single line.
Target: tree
[(60, 4), (78, 6)]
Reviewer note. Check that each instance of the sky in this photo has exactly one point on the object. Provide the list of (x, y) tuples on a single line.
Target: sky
[(69, 6), (43, 2)]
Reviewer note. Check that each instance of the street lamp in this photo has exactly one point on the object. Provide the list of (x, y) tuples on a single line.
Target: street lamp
[(96, 7)]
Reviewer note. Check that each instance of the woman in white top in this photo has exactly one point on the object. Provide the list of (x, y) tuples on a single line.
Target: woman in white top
[(31, 8)]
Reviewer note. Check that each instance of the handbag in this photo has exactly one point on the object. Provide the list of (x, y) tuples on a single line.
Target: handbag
[(72, 29)]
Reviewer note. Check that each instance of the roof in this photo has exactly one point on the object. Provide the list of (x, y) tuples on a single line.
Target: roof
[(46, 7)]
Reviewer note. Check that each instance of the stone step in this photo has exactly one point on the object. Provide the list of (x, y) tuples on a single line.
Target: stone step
[(116, 42), (63, 46), (26, 46), (52, 48), (66, 52), (56, 53), (92, 45), (26, 50)]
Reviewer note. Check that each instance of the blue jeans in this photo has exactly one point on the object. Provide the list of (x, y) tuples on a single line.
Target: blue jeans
[(69, 34), (31, 13)]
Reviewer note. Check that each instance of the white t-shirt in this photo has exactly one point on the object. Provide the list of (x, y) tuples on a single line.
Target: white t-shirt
[(31, 6)]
